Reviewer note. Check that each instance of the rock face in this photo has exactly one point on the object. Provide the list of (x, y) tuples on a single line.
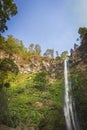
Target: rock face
[(4, 127), (35, 64), (79, 56)]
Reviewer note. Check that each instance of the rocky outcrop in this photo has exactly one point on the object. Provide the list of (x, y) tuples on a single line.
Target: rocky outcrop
[(25, 128), (35, 64), (79, 56), (4, 127)]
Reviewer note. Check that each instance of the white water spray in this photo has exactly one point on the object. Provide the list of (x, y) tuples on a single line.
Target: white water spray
[(70, 115)]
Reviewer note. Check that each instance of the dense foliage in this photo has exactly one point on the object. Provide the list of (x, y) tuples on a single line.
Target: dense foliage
[(31, 99), (8, 70), (13, 45), (25, 99), (34, 103), (79, 84), (7, 9), (82, 31)]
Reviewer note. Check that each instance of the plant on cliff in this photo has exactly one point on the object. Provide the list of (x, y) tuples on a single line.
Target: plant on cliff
[(39, 107), (16, 46), (64, 54), (82, 31), (49, 53), (3, 106), (40, 81), (79, 83), (7, 70)]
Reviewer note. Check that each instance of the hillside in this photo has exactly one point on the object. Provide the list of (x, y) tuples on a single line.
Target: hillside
[(78, 57), (30, 60), (32, 87), (43, 89), (35, 64), (78, 64), (31, 101)]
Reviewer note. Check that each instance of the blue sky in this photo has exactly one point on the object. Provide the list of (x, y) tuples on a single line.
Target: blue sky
[(53, 24)]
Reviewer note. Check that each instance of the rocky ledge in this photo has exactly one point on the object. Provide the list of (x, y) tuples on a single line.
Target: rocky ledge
[(34, 64)]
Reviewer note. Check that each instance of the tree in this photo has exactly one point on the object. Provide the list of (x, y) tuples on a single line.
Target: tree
[(40, 80), (16, 46), (31, 48), (7, 70), (2, 42), (57, 54), (64, 54), (7, 9), (82, 31), (7, 65), (71, 51), (37, 49), (75, 46), (4, 106), (12, 45), (49, 52)]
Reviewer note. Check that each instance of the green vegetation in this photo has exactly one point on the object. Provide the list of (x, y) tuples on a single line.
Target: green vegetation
[(8, 70), (12, 46), (79, 83), (28, 99), (82, 31), (79, 77), (64, 54), (7, 9), (49, 52), (33, 101)]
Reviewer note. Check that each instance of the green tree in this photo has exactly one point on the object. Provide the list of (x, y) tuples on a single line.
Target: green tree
[(31, 48), (7, 65), (57, 54), (22, 48), (7, 9), (2, 42), (64, 54), (49, 52), (12, 45), (7, 70), (3, 106), (82, 31), (37, 49), (15, 46), (79, 85), (40, 81)]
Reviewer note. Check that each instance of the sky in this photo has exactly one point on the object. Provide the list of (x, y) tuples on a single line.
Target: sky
[(53, 24)]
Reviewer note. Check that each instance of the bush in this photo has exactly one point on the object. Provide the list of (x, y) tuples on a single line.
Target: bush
[(40, 81)]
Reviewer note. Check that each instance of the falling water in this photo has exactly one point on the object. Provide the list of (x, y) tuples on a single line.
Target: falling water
[(69, 110)]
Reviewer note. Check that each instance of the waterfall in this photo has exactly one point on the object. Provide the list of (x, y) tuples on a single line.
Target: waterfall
[(69, 106)]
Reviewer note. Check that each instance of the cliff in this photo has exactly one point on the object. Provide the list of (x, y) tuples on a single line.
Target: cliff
[(78, 57), (36, 63)]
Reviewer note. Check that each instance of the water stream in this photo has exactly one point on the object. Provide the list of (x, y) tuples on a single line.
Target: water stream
[(69, 106)]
